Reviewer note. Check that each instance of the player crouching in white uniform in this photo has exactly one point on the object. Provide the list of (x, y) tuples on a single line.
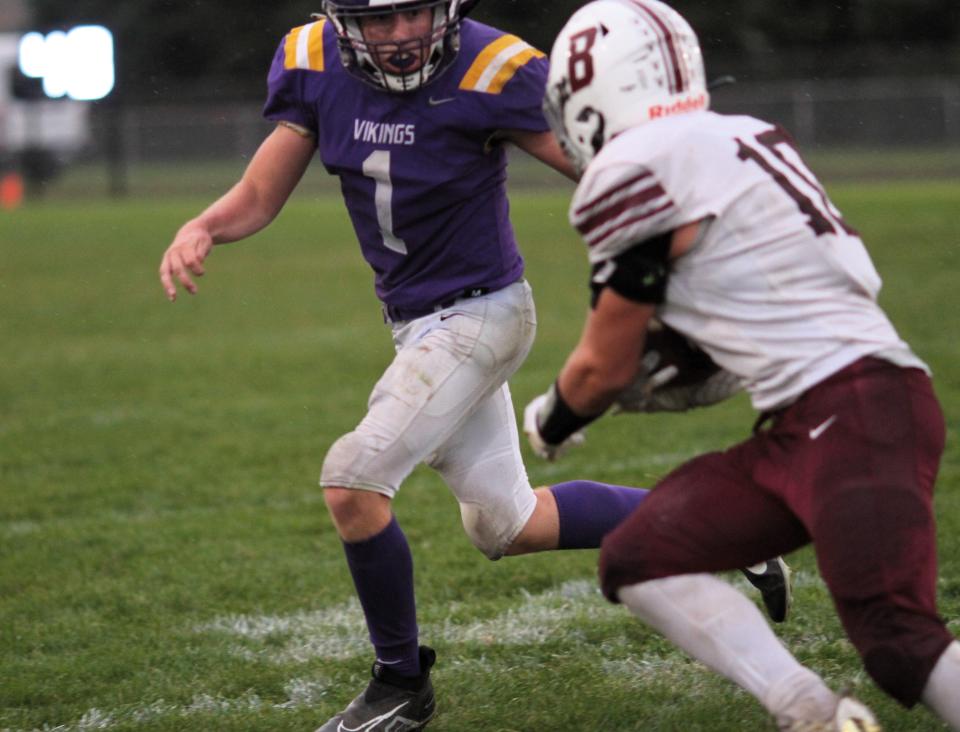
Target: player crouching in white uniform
[(714, 224)]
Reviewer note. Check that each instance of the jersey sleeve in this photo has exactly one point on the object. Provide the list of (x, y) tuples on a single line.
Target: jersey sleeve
[(300, 53), (512, 77), (619, 207)]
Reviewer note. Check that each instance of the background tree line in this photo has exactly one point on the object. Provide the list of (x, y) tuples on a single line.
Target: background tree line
[(171, 50)]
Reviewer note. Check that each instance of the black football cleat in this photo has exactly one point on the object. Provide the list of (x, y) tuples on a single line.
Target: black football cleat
[(391, 702), (772, 578)]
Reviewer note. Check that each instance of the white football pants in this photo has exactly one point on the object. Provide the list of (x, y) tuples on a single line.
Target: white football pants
[(444, 401)]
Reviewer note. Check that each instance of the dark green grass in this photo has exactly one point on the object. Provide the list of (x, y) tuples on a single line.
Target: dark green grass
[(158, 472)]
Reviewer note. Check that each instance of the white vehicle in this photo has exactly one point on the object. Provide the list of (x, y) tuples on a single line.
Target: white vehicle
[(37, 133)]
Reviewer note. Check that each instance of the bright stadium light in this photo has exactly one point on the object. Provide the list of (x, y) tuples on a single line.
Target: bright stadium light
[(92, 72), (78, 63), (56, 69), (32, 55)]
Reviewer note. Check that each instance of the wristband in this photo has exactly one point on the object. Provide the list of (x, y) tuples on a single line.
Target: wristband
[(557, 421)]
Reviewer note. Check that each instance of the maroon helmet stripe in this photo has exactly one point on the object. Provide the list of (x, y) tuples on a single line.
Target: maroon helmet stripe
[(635, 200), (631, 222), (669, 48), (612, 192)]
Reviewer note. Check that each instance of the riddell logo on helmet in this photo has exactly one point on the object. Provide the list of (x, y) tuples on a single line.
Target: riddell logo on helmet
[(690, 104)]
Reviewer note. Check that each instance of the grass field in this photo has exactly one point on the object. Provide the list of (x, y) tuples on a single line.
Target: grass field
[(166, 562)]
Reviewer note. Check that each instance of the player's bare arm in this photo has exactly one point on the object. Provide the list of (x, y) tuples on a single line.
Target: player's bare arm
[(250, 205), (605, 362), (544, 147), (607, 358)]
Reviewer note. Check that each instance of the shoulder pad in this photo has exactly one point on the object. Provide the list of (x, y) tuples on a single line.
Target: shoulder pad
[(303, 47), (497, 63)]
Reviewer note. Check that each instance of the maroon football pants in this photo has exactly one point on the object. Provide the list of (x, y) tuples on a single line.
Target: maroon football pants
[(850, 466)]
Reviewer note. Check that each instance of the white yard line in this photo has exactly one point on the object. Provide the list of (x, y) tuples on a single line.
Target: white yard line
[(338, 633)]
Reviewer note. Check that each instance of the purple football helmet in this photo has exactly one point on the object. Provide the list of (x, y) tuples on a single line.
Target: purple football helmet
[(437, 49)]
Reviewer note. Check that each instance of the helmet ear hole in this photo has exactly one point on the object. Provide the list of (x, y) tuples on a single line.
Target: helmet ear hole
[(597, 136)]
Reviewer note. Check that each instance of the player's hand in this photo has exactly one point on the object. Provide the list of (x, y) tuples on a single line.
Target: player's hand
[(531, 428), (184, 256)]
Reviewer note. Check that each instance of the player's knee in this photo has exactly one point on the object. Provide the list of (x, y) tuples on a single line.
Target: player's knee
[(899, 648), (900, 674), (343, 502), (619, 567), (484, 529)]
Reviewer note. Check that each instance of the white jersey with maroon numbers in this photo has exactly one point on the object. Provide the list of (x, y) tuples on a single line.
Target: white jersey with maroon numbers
[(779, 289)]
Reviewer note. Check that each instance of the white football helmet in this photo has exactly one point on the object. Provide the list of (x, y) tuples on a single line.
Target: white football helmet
[(360, 57), (617, 64)]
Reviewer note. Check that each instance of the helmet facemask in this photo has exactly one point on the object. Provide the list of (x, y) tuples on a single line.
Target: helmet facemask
[(398, 65), (580, 137)]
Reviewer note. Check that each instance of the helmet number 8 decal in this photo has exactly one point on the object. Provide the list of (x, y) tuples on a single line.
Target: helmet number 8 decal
[(580, 62), (377, 166)]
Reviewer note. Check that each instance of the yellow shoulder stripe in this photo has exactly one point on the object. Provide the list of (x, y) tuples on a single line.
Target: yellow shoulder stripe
[(496, 64), (304, 47)]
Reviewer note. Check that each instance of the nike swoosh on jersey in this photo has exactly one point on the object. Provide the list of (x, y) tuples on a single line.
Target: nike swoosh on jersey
[(371, 723), (822, 427), (434, 102)]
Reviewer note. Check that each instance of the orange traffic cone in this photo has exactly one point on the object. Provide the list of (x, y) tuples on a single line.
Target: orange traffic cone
[(11, 191)]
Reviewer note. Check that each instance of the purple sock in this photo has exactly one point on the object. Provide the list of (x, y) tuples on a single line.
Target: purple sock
[(382, 569), (589, 510)]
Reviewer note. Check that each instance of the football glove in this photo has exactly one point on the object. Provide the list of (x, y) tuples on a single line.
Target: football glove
[(674, 376), (653, 394), (532, 416)]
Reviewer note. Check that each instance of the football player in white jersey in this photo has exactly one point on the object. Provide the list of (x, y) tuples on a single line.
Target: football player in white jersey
[(714, 225)]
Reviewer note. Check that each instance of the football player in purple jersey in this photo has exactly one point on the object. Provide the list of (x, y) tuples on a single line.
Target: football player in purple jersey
[(410, 105), (714, 224)]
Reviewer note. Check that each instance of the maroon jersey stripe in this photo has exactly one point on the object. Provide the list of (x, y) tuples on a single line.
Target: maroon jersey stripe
[(635, 200), (609, 194), (630, 222), (668, 47)]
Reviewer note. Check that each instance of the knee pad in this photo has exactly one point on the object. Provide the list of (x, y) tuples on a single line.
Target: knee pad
[(353, 461), (488, 529)]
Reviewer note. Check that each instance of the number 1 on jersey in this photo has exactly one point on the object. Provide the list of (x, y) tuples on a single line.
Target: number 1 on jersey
[(377, 166)]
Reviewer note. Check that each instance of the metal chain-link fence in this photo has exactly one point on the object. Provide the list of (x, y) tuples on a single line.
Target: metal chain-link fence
[(203, 148)]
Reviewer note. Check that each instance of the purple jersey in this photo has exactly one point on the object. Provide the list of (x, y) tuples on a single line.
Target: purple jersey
[(424, 189)]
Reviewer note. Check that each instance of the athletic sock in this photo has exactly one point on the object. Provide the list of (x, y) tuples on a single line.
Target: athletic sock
[(722, 629), (942, 692), (588, 511), (382, 570)]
